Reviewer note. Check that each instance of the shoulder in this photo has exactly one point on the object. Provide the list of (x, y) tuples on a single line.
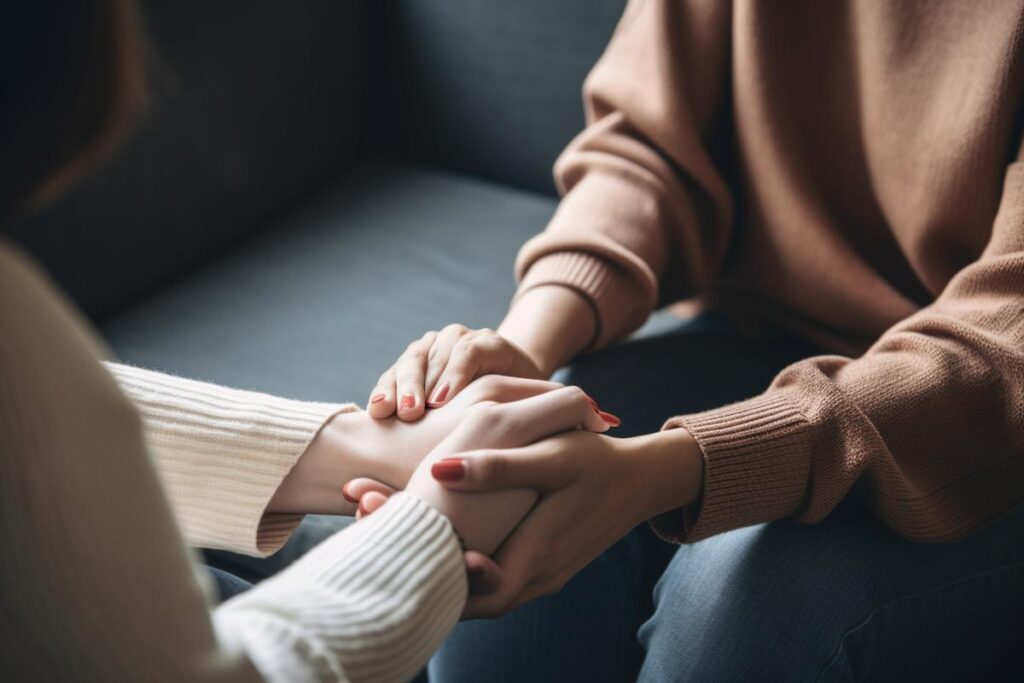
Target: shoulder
[(49, 355)]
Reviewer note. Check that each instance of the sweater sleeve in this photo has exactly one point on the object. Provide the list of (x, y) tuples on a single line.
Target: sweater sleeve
[(927, 427), (378, 615), (96, 582), (222, 454), (644, 205)]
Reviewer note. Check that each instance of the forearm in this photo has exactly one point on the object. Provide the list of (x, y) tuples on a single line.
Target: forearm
[(223, 453), (551, 323)]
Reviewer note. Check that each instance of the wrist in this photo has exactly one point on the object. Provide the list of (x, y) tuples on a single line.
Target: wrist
[(673, 469), (348, 445), (551, 324)]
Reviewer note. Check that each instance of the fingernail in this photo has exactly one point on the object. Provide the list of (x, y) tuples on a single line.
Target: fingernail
[(449, 469), (377, 398), (609, 418), (361, 512), (408, 401), (440, 394), (475, 573), (348, 496)]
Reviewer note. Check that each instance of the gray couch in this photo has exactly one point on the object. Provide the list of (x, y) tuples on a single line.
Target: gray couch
[(319, 182)]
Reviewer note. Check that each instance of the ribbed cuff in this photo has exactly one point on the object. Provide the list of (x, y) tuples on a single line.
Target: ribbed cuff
[(222, 454), (372, 603), (604, 242), (756, 465)]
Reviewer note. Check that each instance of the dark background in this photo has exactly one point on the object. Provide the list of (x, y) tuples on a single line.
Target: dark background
[(319, 182)]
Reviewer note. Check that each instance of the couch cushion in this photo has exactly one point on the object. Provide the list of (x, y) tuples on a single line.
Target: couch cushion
[(321, 302)]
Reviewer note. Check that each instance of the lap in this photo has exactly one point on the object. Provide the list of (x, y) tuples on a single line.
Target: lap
[(830, 600), (588, 630), (845, 599)]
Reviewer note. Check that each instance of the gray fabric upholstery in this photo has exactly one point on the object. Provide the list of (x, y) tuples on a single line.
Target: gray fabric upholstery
[(322, 301), (488, 87)]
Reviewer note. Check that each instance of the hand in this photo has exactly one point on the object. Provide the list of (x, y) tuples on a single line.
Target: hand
[(593, 490), (354, 445), (435, 369), (485, 521)]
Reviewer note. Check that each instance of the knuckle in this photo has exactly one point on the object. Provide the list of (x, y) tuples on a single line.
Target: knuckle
[(417, 351), (494, 468), (576, 395), (480, 414)]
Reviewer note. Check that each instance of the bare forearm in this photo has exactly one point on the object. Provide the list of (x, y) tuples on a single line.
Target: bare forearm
[(551, 323)]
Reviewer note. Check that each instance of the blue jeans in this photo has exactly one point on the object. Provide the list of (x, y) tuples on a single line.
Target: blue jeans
[(845, 599)]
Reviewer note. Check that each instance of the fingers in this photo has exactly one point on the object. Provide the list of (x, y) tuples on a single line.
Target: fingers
[(503, 389), (382, 399), (437, 360), (410, 374), (526, 421), (370, 503), (478, 353), (483, 573), (533, 467), (357, 488)]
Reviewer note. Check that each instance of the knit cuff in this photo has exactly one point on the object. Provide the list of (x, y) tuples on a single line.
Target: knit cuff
[(222, 454), (756, 464), (371, 603), (600, 243)]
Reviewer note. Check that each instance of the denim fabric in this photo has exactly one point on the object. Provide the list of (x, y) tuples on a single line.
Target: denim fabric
[(842, 600), (227, 584)]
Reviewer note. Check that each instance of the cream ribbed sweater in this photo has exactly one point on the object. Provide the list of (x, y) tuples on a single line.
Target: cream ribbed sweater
[(96, 582)]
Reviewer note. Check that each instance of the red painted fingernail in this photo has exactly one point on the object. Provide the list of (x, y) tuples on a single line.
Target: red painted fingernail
[(377, 398), (475, 573), (609, 418), (348, 496), (408, 401), (440, 394), (449, 469)]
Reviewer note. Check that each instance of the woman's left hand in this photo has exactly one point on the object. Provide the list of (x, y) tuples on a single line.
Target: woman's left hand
[(594, 490)]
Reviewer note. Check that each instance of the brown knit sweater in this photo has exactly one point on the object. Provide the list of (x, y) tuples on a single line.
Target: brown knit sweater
[(852, 172)]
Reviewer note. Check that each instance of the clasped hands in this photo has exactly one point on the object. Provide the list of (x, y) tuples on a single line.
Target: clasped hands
[(522, 467)]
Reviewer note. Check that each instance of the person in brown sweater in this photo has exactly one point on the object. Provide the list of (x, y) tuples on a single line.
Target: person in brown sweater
[(841, 188)]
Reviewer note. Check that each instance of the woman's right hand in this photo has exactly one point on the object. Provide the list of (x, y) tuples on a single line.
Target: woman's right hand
[(544, 328), (439, 365)]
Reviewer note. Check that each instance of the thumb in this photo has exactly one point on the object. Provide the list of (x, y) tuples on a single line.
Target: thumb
[(531, 467)]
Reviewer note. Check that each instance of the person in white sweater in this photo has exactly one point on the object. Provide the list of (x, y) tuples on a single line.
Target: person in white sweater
[(108, 473)]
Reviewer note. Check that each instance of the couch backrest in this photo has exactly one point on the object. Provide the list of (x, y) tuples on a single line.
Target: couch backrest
[(253, 107), (487, 87), (258, 102)]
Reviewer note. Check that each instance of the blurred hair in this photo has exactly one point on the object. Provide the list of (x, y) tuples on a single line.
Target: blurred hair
[(71, 82)]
